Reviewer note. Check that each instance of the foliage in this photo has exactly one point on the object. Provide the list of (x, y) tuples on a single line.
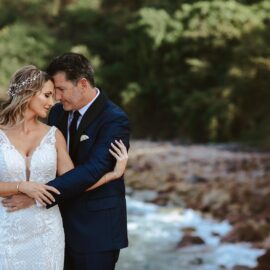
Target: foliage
[(22, 44)]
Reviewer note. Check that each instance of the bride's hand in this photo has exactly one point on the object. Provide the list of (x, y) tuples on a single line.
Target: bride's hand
[(38, 191), (120, 153)]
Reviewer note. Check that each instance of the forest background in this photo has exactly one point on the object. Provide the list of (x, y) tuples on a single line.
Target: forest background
[(192, 71)]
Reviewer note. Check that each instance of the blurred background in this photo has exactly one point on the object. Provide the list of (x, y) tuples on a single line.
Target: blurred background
[(194, 78)]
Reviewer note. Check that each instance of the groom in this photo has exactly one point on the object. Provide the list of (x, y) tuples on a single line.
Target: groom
[(95, 222)]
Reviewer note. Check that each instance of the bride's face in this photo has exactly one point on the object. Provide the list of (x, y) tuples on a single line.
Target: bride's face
[(41, 103)]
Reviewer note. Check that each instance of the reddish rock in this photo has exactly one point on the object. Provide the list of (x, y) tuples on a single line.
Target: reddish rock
[(243, 232), (215, 199), (188, 230), (189, 240), (241, 267), (231, 185), (266, 243), (263, 261)]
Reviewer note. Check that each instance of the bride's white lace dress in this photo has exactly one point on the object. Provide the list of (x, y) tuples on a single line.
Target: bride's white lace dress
[(33, 238)]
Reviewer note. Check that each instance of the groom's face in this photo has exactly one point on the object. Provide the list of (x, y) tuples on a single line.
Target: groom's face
[(68, 93)]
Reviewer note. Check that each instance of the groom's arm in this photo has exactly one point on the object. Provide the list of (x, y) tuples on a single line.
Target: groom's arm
[(100, 161), (17, 202)]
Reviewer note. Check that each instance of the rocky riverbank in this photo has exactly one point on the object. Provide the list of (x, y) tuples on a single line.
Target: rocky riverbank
[(227, 183), (154, 233)]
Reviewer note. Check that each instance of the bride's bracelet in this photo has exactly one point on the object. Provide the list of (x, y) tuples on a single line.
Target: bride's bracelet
[(18, 186)]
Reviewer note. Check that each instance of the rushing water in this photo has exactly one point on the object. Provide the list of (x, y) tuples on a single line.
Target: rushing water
[(154, 232)]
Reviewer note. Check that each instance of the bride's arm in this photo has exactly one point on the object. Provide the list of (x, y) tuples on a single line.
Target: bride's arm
[(9, 188), (65, 164), (37, 191), (121, 156), (40, 193)]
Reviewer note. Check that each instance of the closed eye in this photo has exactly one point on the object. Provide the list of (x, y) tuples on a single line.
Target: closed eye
[(47, 95), (59, 89)]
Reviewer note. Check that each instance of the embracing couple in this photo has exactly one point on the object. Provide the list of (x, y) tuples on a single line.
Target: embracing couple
[(75, 162)]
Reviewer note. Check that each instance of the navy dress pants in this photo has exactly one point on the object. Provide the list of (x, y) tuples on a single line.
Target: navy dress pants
[(103, 260)]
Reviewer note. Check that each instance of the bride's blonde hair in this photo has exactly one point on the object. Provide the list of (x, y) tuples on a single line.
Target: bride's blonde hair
[(24, 84)]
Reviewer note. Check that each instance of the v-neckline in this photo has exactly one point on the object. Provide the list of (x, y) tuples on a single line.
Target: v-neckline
[(25, 157)]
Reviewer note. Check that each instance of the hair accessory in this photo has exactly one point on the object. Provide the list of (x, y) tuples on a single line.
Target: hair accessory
[(16, 88)]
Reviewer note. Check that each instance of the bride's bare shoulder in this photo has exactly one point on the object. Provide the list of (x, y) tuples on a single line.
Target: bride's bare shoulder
[(44, 126), (59, 136)]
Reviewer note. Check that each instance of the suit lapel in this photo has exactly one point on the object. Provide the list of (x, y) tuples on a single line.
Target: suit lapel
[(95, 109)]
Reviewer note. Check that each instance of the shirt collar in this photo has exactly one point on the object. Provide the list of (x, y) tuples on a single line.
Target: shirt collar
[(83, 110)]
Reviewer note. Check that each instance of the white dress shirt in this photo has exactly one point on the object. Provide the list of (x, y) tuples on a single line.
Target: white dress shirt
[(82, 111)]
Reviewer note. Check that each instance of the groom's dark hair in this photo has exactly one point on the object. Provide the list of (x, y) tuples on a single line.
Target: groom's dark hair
[(74, 65)]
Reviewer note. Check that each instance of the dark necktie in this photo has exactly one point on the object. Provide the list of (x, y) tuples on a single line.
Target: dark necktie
[(72, 132)]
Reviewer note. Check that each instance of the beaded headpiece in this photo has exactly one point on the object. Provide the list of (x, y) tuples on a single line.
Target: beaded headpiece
[(17, 88)]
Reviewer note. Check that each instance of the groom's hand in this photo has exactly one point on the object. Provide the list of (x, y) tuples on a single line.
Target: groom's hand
[(17, 202)]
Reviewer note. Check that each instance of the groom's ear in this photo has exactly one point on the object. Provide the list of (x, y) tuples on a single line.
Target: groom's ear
[(83, 83)]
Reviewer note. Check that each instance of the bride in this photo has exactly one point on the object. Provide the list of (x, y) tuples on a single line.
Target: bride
[(31, 154)]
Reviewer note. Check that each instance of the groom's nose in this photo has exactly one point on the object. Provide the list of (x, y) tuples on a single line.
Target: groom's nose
[(58, 95)]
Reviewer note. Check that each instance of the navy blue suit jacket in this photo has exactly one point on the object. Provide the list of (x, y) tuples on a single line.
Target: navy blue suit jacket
[(94, 220)]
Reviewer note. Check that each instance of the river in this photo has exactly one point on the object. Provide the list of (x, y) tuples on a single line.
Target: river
[(154, 232)]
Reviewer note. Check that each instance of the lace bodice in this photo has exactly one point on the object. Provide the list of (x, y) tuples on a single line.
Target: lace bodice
[(32, 238), (41, 164)]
